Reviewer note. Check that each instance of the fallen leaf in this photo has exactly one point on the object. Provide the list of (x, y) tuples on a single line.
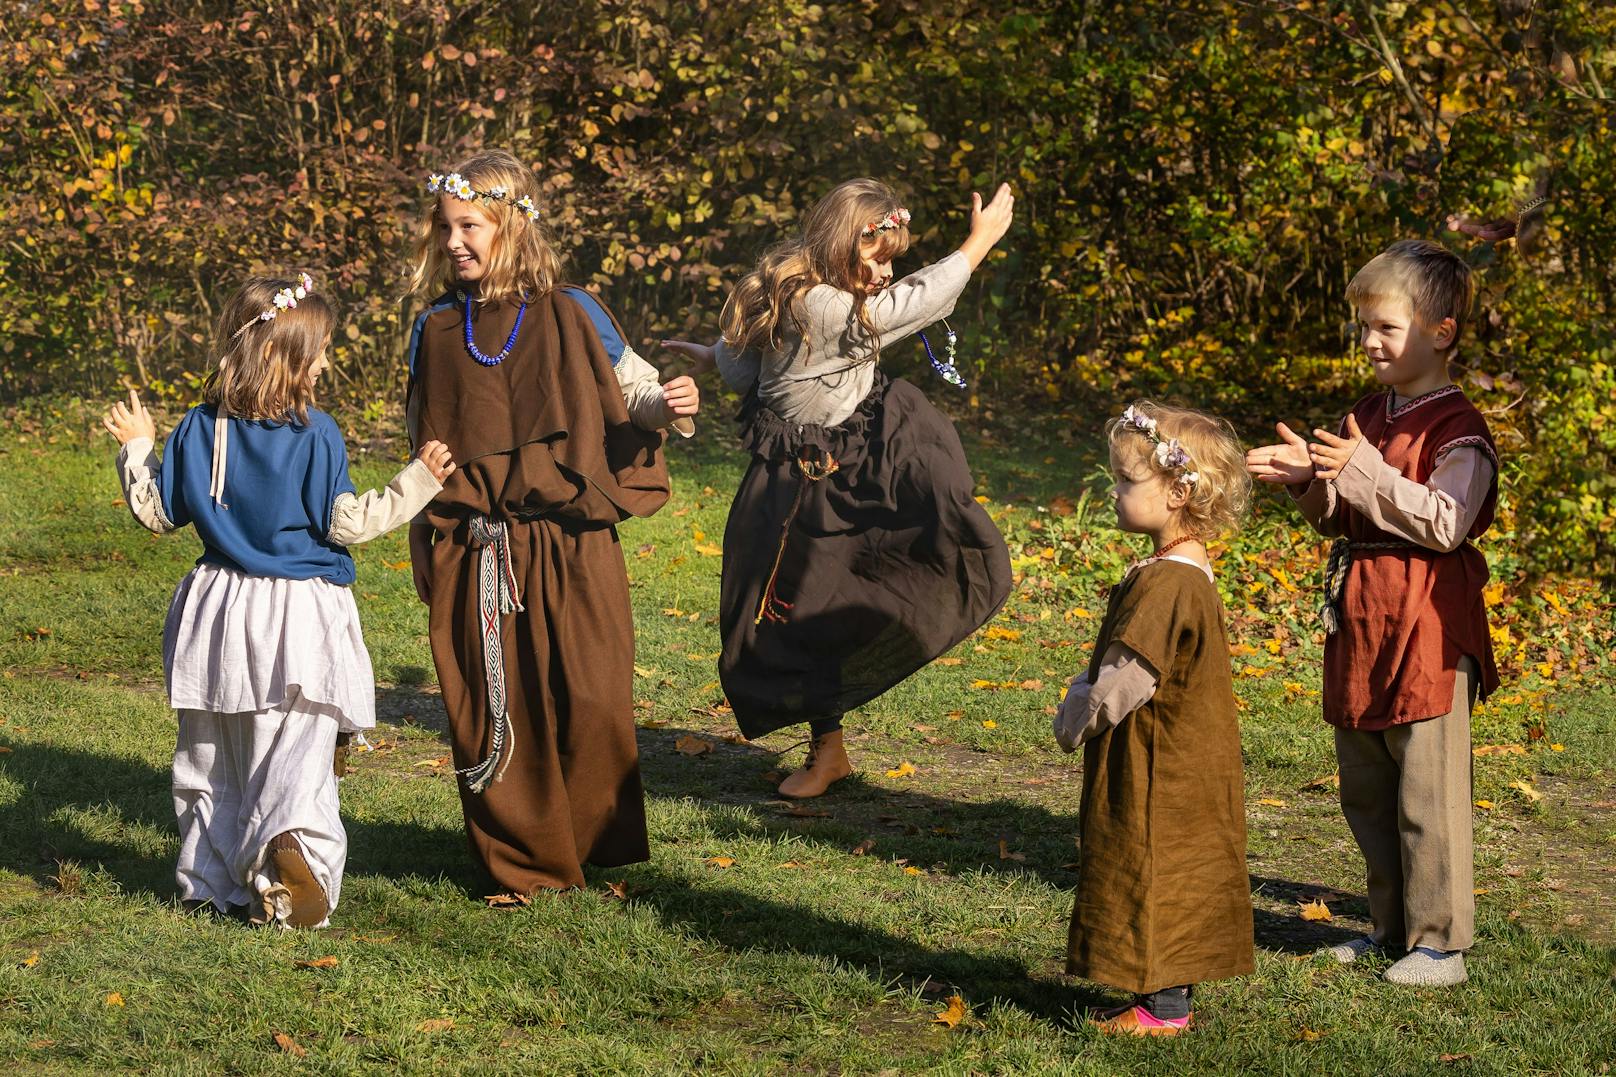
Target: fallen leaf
[(1032, 686), (1326, 782), (441, 761), (289, 1045), (989, 723), (435, 1024), (617, 890), (326, 962), (720, 861), (396, 566), (1314, 910), (507, 900), (1271, 802), (797, 809), (995, 632), (1308, 1035), (948, 661), (1006, 854), (707, 549), (646, 550), (1453, 1057), (1499, 749), (954, 716), (40, 1045), (33, 959), (1526, 790), (953, 1015), (792, 864), (1557, 747), (689, 744), (114, 999), (1485, 805), (902, 770), (863, 847), (913, 871)]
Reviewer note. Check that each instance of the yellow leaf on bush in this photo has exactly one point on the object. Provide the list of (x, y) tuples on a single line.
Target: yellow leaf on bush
[(902, 770), (953, 1015), (1314, 910)]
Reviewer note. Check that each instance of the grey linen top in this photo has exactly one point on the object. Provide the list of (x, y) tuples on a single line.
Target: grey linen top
[(821, 376)]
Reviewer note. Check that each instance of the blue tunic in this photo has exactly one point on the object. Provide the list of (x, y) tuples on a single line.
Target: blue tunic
[(281, 479)]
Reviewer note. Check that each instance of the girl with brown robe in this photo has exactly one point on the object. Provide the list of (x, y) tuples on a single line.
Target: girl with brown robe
[(518, 558), (1163, 899)]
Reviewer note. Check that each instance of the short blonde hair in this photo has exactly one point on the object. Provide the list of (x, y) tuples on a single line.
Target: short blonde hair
[(1222, 490), (1435, 282), (522, 264), (262, 367)]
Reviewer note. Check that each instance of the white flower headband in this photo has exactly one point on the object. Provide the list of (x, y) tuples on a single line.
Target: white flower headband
[(1169, 454), (457, 185), (285, 299), (896, 219)]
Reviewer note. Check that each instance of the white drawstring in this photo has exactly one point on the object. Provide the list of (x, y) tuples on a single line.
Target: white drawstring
[(221, 448)]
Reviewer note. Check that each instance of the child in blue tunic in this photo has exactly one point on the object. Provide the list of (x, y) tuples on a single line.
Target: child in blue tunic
[(262, 650)]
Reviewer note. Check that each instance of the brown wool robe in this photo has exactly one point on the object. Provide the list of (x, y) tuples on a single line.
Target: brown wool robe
[(542, 442), (1163, 897)]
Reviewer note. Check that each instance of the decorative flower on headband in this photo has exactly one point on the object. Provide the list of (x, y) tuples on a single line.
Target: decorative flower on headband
[(457, 185), (285, 299), (1169, 454), (896, 219)]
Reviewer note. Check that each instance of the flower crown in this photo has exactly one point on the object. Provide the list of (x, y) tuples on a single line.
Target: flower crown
[(457, 185), (896, 219), (1169, 454), (285, 299)]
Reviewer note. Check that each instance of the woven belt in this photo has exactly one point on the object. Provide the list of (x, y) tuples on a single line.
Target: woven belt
[(496, 595), (1335, 574)]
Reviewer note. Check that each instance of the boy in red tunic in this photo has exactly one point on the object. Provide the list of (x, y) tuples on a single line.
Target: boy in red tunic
[(1405, 485)]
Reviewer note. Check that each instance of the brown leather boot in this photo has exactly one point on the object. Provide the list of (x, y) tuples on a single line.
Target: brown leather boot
[(826, 763), (304, 897)]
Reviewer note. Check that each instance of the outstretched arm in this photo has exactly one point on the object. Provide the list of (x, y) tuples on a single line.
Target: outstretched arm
[(137, 462), (651, 404), (1290, 463), (360, 518)]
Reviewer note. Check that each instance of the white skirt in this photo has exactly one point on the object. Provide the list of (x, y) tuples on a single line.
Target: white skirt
[(239, 644)]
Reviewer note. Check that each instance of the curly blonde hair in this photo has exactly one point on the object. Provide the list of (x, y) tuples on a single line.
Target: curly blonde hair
[(1222, 490), (522, 264), (262, 370), (829, 251)]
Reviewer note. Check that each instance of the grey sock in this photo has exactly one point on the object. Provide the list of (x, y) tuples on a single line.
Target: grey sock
[(1168, 1004)]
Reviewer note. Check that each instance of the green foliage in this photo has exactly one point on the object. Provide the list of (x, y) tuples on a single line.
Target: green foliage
[(1196, 180)]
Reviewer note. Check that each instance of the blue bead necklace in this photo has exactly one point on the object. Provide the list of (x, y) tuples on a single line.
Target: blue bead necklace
[(510, 341), (946, 370)]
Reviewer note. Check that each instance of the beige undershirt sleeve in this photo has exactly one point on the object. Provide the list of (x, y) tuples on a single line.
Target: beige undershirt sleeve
[(360, 518), (642, 394), (137, 474), (1436, 514), (1124, 684), (1317, 500)]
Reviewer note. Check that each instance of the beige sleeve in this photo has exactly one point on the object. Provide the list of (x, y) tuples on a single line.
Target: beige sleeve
[(1317, 500), (360, 518), (1124, 684), (642, 394), (137, 474), (1436, 514)]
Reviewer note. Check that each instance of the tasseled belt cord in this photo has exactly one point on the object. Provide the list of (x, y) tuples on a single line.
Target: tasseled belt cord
[(809, 470), (1335, 574), (496, 596)]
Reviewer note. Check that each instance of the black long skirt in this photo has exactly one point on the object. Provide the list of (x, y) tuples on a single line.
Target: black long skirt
[(853, 556)]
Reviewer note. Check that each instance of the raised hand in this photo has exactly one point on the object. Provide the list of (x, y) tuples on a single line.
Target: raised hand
[(129, 421), (1331, 453), (435, 455), (1288, 462), (989, 223), (700, 355), (681, 396)]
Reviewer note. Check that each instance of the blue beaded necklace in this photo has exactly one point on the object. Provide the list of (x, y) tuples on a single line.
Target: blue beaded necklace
[(946, 370), (510, 341)]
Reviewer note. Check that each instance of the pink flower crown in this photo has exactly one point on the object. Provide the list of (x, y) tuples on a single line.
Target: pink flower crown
[(1169, 454), (898, 218)]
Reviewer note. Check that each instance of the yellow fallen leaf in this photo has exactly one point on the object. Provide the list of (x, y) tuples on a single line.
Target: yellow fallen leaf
[(31, 960), (396, 566), (989, 723), (911, 870), (289, 1045), (707, 549), (1498, 749), (996, 632), (902, 770), (1526, 790), (1271, 802), (1485, 805), (953, 1015), (1078, 612), (1314, 910), (435, 1024), (690, 744), (948, 661), (792, 864), (441, 761), (114, 999), (1284, 580), (326, 962), (1308, 1035), (720, 861), (1557, 747), (507, 900)]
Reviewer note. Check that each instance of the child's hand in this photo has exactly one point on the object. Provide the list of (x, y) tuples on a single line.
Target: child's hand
[(701, 356), (989, 223), (1288, 462), (1330, 457), (435, 455), (126, 422), (681, 396)]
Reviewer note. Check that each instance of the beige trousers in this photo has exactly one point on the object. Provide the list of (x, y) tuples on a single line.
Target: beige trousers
[(1406, 794)]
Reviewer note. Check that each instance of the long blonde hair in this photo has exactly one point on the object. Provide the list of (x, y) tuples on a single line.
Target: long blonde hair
[(1222, 490), (262, 371), (522, 263), (827, 252)]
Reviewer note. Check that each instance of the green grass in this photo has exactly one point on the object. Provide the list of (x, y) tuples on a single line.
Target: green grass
[(802, 956)]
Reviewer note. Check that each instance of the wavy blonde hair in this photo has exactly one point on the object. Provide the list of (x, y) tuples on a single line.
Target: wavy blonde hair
[(829, 251), (522, 264), (263, 372), (1220, 496)]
